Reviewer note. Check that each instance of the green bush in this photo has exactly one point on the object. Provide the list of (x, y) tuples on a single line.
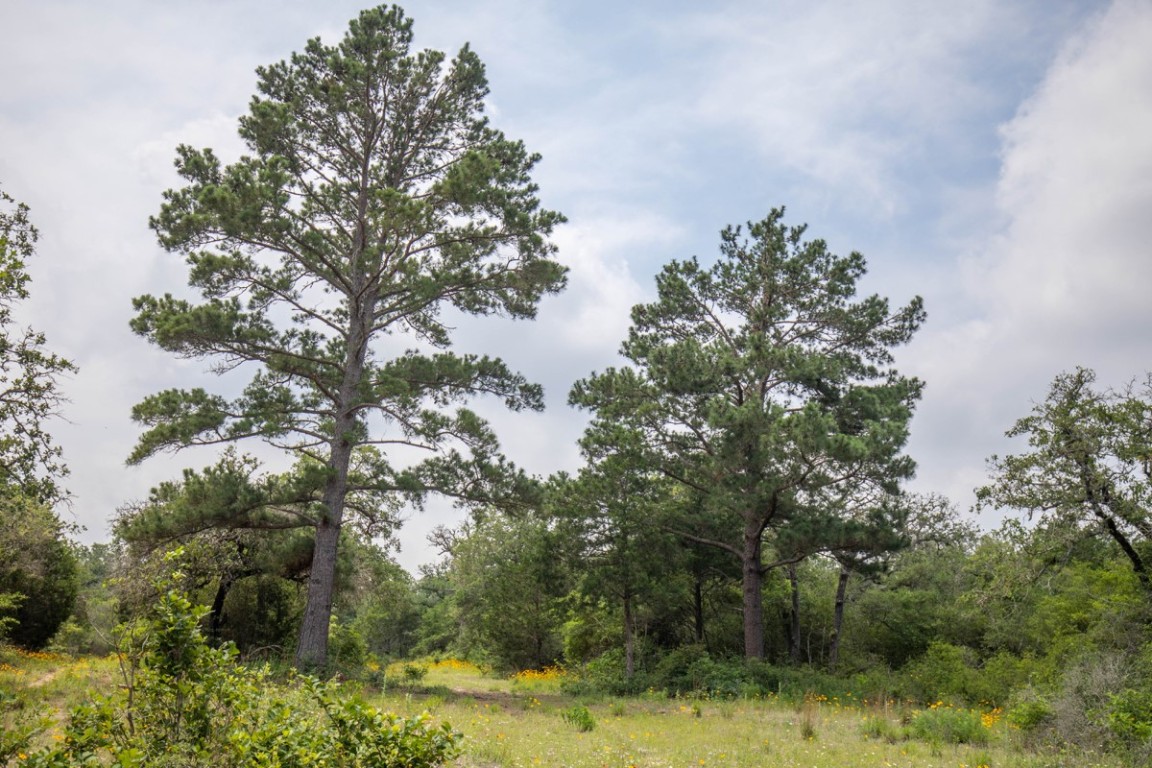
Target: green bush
[(1130, 715), (579, 718), (38, 571), (1028, 711), (605, 674), (948, 726), (943, 671), (347, 649), (690, 670), (881, 729), (187, 704)]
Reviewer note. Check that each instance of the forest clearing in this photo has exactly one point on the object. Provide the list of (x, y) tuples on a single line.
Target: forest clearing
[(528, 720)]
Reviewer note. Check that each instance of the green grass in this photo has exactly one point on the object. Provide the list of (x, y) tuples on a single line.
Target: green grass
[(520, 723), (505, 727)]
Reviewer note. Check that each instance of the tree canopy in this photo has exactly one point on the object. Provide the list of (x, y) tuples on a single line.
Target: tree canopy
[(1089, 468)]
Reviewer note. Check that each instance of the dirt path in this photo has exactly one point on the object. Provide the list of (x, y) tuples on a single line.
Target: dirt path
[(40, 682)]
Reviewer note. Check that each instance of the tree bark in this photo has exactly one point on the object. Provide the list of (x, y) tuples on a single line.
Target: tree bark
[(1099, 497), (312, 650), (216, 614), (753, 589), (838, 617)]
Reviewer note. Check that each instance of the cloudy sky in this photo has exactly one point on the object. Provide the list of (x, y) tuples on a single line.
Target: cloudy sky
[(992, 157)]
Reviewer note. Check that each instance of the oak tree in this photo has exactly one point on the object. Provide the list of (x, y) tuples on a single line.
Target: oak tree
[(1088, 470), (376, 204), (30, 462)]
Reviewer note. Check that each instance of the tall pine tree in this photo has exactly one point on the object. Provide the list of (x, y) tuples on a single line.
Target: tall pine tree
[(375, 197)]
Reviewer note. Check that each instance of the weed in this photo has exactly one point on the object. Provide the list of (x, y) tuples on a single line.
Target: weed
[(881, 729), (981, 760), (579, 718), (414, 673), (943, 724), (808, 717)]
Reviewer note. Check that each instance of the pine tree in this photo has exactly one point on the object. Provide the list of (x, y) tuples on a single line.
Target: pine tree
[(764, 386), (376, 197)]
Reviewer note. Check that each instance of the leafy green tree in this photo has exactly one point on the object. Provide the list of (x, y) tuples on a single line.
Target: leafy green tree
[(381, 603), (761, 383), (613, 510), (29, 395), (509, 579), (238, 523), (376, 197), (932, 588), (435, 599), (37, 568), (1089, 470)]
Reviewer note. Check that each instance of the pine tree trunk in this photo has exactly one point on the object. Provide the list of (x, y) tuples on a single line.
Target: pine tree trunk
[(838, 616), (216, 614), (753, 583), (312, 649)]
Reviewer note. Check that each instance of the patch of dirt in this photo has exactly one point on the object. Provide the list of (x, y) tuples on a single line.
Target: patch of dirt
[(42, 681)]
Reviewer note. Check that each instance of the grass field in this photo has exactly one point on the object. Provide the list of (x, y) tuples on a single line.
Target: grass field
[(521, 723), (527, 721)]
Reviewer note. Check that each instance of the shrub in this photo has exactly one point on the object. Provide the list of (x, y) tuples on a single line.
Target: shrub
[(187, 704), (347, 649), (944, 670), (882, 729), (579, 718), (691, 670), (996, 679), (1083, 696), (947, 725), (1029, 711), (414, 673), (606, 674), (1130, 715)]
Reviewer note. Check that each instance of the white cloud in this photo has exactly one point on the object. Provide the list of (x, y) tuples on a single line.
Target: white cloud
[(1077, 181), (1066, 282), (861, 100)]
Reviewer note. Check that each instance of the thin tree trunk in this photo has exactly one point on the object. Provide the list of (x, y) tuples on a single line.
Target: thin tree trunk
[(794, 618), (629, 637), (838, 617), (216, 614), (1099, 500), (698, 608)]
